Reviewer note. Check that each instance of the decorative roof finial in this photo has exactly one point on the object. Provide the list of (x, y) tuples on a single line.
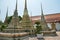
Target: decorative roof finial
[(25, 4), (7, 13), (16, 4), (41, 10)]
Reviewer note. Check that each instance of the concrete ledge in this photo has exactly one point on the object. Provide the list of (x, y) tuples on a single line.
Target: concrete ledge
[(49, 33), (13, 34)]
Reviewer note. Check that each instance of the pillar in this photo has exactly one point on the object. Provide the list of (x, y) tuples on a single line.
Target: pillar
[(53, 26)]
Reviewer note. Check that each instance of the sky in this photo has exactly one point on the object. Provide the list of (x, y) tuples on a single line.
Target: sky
[(33, 6)]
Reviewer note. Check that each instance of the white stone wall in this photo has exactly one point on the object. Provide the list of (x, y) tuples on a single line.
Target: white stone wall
[(58, 26), (49, 25)]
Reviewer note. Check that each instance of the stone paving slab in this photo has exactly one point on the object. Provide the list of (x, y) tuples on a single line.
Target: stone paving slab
[(34, 38)]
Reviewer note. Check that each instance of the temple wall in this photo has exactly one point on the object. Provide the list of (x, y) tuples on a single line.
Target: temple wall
[(58, 26), (49, 25)]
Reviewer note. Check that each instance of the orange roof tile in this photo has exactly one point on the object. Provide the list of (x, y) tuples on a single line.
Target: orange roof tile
[(49, 18)]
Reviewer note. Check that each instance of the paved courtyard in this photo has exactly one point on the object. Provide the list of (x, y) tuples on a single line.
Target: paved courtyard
[(48, 37)]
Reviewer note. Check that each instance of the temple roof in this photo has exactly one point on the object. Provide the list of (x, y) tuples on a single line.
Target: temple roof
[(49, 18)]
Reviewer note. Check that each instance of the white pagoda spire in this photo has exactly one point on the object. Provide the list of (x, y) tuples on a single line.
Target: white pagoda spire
[(43, 21)]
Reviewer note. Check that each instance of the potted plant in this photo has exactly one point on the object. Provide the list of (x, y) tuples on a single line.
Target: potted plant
[(38, 30)]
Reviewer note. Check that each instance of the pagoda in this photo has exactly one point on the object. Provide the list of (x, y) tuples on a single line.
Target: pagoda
[(26, 21), (43, 21), (14, 25), (45, 28), (6, 18)]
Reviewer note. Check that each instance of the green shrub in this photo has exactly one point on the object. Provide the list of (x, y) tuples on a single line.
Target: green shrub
[(3, 27), (38, 28)]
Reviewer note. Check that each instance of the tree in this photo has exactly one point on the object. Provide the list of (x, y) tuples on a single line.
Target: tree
[(20, 18), (9, 19), (1, 22), (3, 27)]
